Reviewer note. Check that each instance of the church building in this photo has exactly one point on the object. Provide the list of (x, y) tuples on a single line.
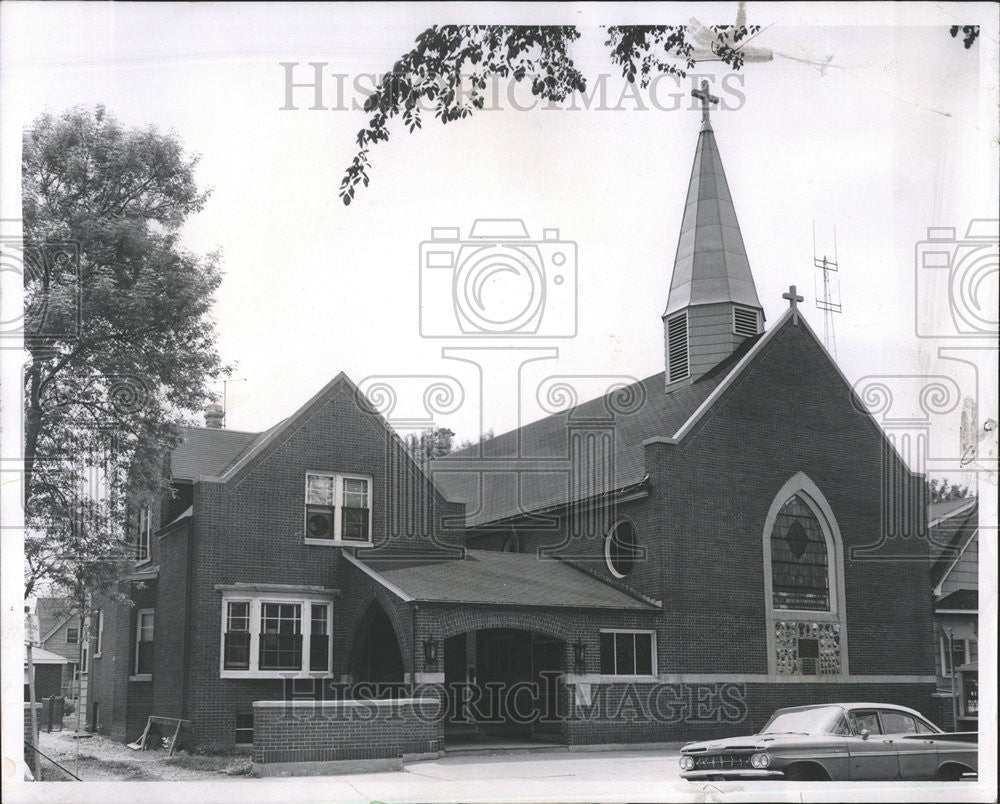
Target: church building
[(672, 560)]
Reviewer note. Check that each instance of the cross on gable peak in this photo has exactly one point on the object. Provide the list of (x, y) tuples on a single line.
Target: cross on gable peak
[(793, 301), (706, 98)]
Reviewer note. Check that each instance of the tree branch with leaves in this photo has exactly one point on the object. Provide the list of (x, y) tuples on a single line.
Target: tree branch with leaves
[(449, 67)]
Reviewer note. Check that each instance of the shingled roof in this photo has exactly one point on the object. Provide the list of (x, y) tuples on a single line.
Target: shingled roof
[(494, 578), (207, 451), (529, 469), (959, 600), (952, 524)]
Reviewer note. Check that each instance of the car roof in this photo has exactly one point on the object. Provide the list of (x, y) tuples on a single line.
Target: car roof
[(851, 705)]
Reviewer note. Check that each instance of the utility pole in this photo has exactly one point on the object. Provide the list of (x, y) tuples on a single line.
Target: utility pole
[(954, 686), (31, 636)]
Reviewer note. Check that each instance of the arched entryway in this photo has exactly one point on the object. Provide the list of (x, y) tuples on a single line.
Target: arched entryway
[(504, 684), (377, 658)]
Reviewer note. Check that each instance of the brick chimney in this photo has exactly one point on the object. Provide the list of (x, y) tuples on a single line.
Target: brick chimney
[(214, 414)]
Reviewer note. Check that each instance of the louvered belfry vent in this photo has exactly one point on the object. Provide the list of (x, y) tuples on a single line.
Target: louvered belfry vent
[(746, 322), (712, 308), (677, 347)]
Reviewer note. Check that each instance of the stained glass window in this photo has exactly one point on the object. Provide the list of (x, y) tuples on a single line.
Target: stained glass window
[(799, 562)]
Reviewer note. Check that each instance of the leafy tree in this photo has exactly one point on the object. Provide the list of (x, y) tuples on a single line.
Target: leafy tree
[(118, 333), (942, 491), (431, 443), (970, 33), (450, 64), (467, 443)]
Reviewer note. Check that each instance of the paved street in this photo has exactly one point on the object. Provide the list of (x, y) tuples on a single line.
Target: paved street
[(614, 776)]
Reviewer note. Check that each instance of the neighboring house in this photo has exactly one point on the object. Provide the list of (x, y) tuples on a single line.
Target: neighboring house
[(954, 535), (671, 560), (48, 668), (61, 630)]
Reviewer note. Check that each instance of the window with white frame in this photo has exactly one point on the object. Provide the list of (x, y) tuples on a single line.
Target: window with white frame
[(99, 614), (271, 637), (143, 535), (338, 508), (628, 653), (144, 642), (963, 652), (72, 635)]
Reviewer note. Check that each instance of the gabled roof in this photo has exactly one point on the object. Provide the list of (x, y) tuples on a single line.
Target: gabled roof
[(42, 656), (959, 600), (499, 579), (53, 613), (208, 451), (952, 526), (711, 264), (540, 477)]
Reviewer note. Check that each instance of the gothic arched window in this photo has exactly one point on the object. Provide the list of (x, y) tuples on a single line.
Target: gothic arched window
[(800, 568)]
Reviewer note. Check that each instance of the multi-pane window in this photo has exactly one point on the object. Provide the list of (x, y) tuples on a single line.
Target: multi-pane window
[(262, 636), (236, 647), (319, 641), (355, 510), (244, 728), (338, 508), (72, 635), (144, 642), (799, 561), (280, 642), (628, 653), (143, 534)]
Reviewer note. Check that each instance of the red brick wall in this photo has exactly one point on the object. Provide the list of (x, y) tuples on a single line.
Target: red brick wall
[(622, 713), (250, 530), (333, 731)]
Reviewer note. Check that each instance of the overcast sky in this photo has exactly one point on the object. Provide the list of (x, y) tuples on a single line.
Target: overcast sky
[(896, 135)]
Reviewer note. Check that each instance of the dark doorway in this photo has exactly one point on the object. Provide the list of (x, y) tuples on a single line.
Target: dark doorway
[(377, 658), (503, 685)]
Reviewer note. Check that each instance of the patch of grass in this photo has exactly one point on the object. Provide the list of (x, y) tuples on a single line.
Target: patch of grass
[(220, 763)]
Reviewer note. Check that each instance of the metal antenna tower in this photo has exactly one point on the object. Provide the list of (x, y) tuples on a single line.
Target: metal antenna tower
[(828, 295), (225, 396)]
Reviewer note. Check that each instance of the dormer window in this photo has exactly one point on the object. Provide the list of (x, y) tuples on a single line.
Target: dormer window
[(338, 508)]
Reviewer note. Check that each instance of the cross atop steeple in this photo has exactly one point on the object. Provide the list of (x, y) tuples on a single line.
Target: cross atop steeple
[(706, 98)]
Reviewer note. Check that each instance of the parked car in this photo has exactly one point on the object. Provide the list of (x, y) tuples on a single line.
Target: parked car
[(839, 742)]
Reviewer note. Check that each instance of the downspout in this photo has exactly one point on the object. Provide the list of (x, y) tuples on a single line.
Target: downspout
[(413, 649), (187, 615)]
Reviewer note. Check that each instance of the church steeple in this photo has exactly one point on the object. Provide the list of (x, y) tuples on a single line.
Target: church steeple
[(713, 306)]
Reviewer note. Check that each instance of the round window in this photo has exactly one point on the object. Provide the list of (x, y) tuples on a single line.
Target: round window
[(621, 549)]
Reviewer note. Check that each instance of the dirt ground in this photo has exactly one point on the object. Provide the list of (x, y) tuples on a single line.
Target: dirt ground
[(96, 758)]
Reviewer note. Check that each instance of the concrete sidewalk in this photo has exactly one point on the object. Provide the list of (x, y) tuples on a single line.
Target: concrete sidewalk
[(533, 776)]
